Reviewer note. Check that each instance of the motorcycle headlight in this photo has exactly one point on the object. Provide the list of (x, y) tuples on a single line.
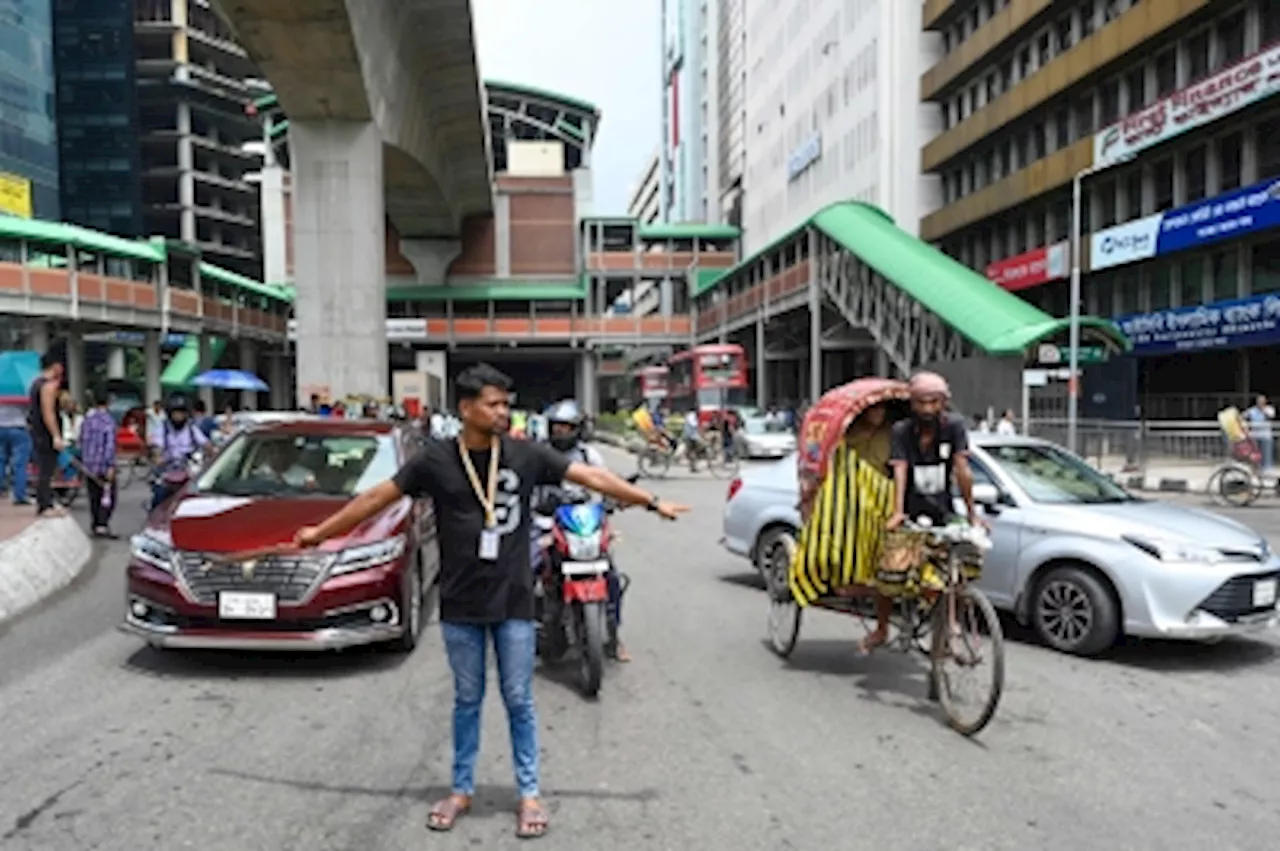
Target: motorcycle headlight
[(582, 548), (368, 555), (150, 548), (1175, 551)]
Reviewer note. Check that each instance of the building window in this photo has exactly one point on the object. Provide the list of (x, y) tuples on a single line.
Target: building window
[(1133, 193), (1270, 22), (1106, 203), (1268, 140), (1166, 73), (1225, 274), (1161, 286), (1266, 267), (1084, 116), (1195, 166), (1137, 85), (1110, 101), (1231, 37), (1192, 287), (1063, 32), (1198, 55), (1062, 123), (1162, 173), (1230, 158), (1127, 292), (1087, 15)]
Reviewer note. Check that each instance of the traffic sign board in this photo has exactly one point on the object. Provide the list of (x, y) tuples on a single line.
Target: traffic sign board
[(1048, 354)]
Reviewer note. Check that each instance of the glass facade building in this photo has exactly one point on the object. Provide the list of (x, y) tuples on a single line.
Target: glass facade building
[(93, 43), (28, 124)]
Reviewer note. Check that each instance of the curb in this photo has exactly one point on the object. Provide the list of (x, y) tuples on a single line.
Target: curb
[(40, 561)]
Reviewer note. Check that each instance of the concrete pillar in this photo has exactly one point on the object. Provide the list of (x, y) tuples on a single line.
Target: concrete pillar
[(186, 176), (585, 383), (275, 230), (206, 363), (38, 335), (116, 362), (815, 324), (502, 235), (151, 366), (76, 373), (762, 371), (249, 363), (278, 378), (340, 264)]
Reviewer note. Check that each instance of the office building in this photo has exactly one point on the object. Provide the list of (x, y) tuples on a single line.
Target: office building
[(643, 205), (831, 111), (690, 175), (28, 129), (1167, 110), (152, 108), (731, 95)]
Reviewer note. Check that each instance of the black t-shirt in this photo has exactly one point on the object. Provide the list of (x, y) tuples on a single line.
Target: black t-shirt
[(929, 472), (472, 589)]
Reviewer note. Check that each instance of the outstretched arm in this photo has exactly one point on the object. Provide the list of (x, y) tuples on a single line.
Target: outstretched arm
[(601, 480), (350, 515)]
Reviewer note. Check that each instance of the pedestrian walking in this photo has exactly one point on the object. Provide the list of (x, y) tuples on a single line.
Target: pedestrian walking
[(98, 456), (486, 574), (15, 451), (1259, 417), (45, 428), (1007, 426)]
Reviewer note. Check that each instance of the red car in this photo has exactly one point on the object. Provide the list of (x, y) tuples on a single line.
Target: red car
[(214, 567)]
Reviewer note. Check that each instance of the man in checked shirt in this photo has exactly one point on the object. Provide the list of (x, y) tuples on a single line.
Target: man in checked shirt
[(98, 454)]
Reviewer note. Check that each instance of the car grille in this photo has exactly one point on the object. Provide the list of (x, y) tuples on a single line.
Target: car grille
[(288, 577), (1234, 598)]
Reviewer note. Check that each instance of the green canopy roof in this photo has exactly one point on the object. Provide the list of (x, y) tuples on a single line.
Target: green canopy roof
[(992, 318), (233, 279), (62, 234), (506, 289), (689, 230)]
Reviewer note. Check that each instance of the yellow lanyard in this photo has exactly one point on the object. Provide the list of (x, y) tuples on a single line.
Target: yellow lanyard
[(487, 496)]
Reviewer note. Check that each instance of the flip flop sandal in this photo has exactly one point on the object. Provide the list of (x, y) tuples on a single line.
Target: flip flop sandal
[(445, 814), (531, 822)]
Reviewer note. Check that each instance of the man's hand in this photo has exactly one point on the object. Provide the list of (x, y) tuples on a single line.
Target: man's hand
[(59, 444), (895, 521), (976, 519), (308, 537), (670, 510)]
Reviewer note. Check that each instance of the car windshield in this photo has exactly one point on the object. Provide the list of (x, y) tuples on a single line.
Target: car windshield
[(1052, 475), (761, 425), (266, 464)]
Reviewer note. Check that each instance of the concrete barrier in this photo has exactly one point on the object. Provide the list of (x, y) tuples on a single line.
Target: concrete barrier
[(40, 561)]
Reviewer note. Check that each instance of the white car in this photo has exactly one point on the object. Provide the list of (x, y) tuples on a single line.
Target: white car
[(760, 438)]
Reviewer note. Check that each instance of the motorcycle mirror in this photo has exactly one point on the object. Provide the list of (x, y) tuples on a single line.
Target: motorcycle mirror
[(633, 478)]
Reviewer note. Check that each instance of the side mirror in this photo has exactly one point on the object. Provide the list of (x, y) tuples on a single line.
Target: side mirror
[(986, 494)]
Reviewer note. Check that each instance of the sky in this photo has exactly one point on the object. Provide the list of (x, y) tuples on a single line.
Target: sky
[(602, 51)]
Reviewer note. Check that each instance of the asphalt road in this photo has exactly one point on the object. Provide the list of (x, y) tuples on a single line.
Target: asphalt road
[(706, 740)]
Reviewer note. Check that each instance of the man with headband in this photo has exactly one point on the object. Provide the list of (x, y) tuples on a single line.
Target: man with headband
[(929, 449)]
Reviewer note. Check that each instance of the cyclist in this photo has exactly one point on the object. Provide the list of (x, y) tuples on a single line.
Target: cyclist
[(565, 421)]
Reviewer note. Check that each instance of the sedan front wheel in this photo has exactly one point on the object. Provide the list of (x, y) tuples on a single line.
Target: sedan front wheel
[(1074, 611)]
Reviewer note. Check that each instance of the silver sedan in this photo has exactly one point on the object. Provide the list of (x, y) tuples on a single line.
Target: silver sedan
[(1075, 555), (760, 438)]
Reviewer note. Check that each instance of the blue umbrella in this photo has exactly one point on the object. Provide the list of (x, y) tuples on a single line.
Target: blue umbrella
[(230, 379), (17, 371)]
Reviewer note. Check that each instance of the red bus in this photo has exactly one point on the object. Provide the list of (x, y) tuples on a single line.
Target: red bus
[(650, 385), (708, 379)]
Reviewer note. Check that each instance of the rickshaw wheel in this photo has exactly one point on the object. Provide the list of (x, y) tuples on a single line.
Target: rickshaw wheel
[(784, 612), (1234, 484), (977, 637)]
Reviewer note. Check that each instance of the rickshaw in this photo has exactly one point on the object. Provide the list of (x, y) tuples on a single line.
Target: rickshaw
[(131, 446), (845, 557), (1239, 481)]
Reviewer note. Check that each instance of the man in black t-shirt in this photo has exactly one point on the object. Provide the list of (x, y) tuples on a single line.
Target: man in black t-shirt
[(481, 485), (929, 449)]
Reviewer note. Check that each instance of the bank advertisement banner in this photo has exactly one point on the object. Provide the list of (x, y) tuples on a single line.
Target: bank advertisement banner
[(1035, 267), (1243, 211), (1248, 81), (1253, 321), (15, 195)]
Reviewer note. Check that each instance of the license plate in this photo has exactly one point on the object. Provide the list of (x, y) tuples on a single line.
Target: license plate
[(1264, 593), (578, 568), (248, 606)]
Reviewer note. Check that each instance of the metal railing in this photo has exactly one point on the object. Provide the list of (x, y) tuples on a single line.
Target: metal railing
[(1137, 444)]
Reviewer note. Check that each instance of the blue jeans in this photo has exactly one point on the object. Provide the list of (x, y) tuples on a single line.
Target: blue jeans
[(514, 642), (15, 454)]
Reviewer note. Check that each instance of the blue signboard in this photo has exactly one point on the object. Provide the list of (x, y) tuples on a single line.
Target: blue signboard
[(1244, 211), (1253, 321)]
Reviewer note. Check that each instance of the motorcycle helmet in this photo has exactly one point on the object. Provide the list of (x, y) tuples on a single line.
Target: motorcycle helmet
[(564, 424), (177, 404)]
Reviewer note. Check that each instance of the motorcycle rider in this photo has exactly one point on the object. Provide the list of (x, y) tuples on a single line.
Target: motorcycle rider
[(565, 422), (173, 444)]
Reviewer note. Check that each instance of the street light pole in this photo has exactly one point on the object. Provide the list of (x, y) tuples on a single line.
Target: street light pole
[(1073, 345)]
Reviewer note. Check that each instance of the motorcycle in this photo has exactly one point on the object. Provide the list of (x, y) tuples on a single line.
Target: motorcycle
[(165, 482), (572, 591)]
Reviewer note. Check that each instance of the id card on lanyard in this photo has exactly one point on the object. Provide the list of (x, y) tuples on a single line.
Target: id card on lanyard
[(489, 537)]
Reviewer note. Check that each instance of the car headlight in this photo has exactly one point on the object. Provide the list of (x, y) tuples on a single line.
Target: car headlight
[(368, 555), (1175, 551), (152, 549)]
